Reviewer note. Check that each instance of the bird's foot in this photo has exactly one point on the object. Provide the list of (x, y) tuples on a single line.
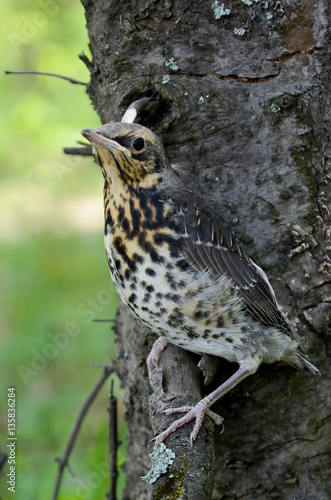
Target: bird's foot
[(196, 412), (153, 358)]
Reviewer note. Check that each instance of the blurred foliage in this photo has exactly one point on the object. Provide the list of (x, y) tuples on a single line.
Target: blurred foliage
[(54, 275)]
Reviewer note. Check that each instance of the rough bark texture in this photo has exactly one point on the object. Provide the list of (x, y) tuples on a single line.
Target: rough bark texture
[(248, 115)]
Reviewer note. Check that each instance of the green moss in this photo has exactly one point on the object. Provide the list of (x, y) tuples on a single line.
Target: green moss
[(174, 487)]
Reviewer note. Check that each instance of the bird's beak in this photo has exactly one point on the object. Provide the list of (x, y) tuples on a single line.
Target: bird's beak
[(100, 140)]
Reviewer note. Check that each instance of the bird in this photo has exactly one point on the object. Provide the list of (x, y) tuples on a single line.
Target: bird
[(180, 269)]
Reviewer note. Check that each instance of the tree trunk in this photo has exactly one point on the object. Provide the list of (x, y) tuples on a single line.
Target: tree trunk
[(242, 101)]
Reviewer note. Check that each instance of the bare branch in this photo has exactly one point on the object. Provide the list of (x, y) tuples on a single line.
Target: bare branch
[(100, 320), (3, 458), (84, 151), (42, 73), (113, 443), (63, 460)]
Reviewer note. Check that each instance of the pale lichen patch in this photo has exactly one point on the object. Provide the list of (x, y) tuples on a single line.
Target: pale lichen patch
[(219, 10), (161, 457)]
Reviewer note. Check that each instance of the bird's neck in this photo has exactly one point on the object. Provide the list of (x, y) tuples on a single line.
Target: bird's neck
[(134, 210)]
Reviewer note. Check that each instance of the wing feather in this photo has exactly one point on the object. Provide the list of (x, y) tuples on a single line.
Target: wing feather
[(209, 244)]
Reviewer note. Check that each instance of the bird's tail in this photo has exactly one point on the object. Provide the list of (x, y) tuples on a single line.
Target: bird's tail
[(306, 365)]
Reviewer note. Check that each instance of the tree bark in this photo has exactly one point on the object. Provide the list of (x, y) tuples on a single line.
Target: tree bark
[(241, 99)]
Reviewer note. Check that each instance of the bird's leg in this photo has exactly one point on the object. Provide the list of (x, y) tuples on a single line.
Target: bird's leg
[(198, 411), (153, 358)]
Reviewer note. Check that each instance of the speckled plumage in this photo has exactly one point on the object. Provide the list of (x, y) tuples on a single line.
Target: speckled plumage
[(179, 267)]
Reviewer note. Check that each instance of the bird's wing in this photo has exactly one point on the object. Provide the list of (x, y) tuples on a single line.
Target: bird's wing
[(209, 244)]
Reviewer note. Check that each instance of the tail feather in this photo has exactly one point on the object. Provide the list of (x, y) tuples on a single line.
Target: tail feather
[(306, 365)]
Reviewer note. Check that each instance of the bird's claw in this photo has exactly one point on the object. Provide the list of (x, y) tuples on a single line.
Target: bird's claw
[(196, 412), (153, 358)]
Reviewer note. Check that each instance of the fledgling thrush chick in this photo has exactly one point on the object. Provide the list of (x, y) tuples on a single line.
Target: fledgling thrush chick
[(180, 269)]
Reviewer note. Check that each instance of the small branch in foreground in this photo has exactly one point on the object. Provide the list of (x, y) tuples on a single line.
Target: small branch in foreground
[(63, 460), (3, 458), (113, 443), (42, 73)]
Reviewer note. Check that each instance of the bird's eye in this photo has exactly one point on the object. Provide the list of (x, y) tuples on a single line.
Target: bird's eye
[(138, 144)]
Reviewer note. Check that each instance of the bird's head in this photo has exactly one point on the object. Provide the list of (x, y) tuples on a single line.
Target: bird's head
[(128, 151)]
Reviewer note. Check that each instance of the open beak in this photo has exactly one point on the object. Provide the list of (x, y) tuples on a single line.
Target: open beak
[(100, 140)]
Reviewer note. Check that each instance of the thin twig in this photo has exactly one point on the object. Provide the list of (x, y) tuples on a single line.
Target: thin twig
[(67, 78), (102, 365), (63, 460), (113, 443), (3, 458), (85, 151), (100, 320)]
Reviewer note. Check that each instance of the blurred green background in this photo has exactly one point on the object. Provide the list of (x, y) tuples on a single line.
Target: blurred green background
[(54, 275)]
